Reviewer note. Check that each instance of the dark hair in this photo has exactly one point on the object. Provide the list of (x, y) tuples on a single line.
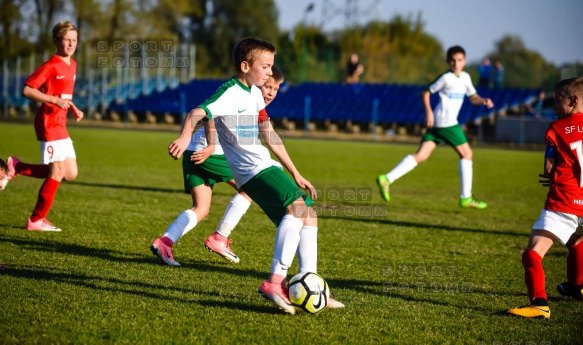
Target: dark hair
[(454, 50), (3, 165), (276, 74), (248, 49), (570, 87)]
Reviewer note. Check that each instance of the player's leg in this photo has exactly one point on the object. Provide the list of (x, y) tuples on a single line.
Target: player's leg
[(534, 276), (199, 184), (573, 287), (16, 167), (549, 227), (186, 221), (457, 139), (307, 251), (277, 195), (406, 165), (60, 156), (219, 241)]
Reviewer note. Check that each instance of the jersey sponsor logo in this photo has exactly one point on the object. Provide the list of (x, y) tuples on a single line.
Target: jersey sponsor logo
[(60, 76), (66, 96), (456, 95), (578, 202), (247, 131)]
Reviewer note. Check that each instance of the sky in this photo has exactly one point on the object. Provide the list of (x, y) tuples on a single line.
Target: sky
[(553, 28)]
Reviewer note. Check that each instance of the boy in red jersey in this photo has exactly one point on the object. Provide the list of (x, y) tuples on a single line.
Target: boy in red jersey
[(563, 211), (52, 85)]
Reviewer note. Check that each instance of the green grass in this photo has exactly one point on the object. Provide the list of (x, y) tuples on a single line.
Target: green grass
[(421, 271)]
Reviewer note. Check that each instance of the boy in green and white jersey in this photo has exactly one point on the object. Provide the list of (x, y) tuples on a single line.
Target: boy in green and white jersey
[(237, 109), (443, 127)]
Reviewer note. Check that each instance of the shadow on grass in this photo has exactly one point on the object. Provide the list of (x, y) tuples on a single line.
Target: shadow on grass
[(423, 226), (140, 188), (121, 186), (136, 288), (437, 293), (75, 249)]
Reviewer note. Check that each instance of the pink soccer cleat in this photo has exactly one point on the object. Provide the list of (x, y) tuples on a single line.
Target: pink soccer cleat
[(163, 252), (221, 247), (278, 295), (40, 225), (11, 173)]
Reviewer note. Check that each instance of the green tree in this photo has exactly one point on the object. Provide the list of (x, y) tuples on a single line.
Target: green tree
[(523, 67), (10, 26), (225, 25)]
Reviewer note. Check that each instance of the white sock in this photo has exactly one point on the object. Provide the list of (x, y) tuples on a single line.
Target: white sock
[(466, 173), (308, 249), (287, 239), (235, 210), (407, 164), (185, 222)]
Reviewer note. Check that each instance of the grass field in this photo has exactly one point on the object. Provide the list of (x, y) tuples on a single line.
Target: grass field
[(419, 270)]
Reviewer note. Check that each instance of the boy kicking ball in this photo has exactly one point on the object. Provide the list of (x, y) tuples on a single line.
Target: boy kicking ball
[(237, 109)]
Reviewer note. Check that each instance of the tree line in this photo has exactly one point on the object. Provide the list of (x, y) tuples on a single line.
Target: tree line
[(399, 50)]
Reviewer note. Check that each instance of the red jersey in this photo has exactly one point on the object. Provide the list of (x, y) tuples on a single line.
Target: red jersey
[(566, 190), (54, 78)]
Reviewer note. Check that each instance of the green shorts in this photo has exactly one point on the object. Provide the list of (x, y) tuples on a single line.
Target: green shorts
[(453, 135), (213, 170), (274, 191)]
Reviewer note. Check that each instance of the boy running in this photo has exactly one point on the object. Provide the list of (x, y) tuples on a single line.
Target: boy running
[(563, 211), (442, 127), (52, 85), (238, 110)]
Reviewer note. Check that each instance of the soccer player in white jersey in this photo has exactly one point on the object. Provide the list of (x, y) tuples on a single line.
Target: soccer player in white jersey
[(443, 127), (203, 165), (237, 109)]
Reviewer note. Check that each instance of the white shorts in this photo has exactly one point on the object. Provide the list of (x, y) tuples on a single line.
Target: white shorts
[(57, 151), (562, 225)]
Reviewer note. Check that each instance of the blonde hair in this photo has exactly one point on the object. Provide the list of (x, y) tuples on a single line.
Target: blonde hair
[(570, 87), (61, 29)]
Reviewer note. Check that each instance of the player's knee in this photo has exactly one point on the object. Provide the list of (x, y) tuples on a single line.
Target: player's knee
[(202, 212), (420, 157), (70, 175)]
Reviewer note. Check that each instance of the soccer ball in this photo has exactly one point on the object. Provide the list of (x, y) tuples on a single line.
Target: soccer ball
[(309, 291)]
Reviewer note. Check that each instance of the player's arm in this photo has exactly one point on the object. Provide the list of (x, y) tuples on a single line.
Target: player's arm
[(425, 98), (477, 100), (210, 132), (550, 158), (78, 114), (37, 96), (178, 146), (276, 146)]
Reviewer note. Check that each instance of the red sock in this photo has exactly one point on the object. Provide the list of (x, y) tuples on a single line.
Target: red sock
[(534, 275), (219, 237), (32, 170), (575, 264), (166, 241), (46, 195)]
